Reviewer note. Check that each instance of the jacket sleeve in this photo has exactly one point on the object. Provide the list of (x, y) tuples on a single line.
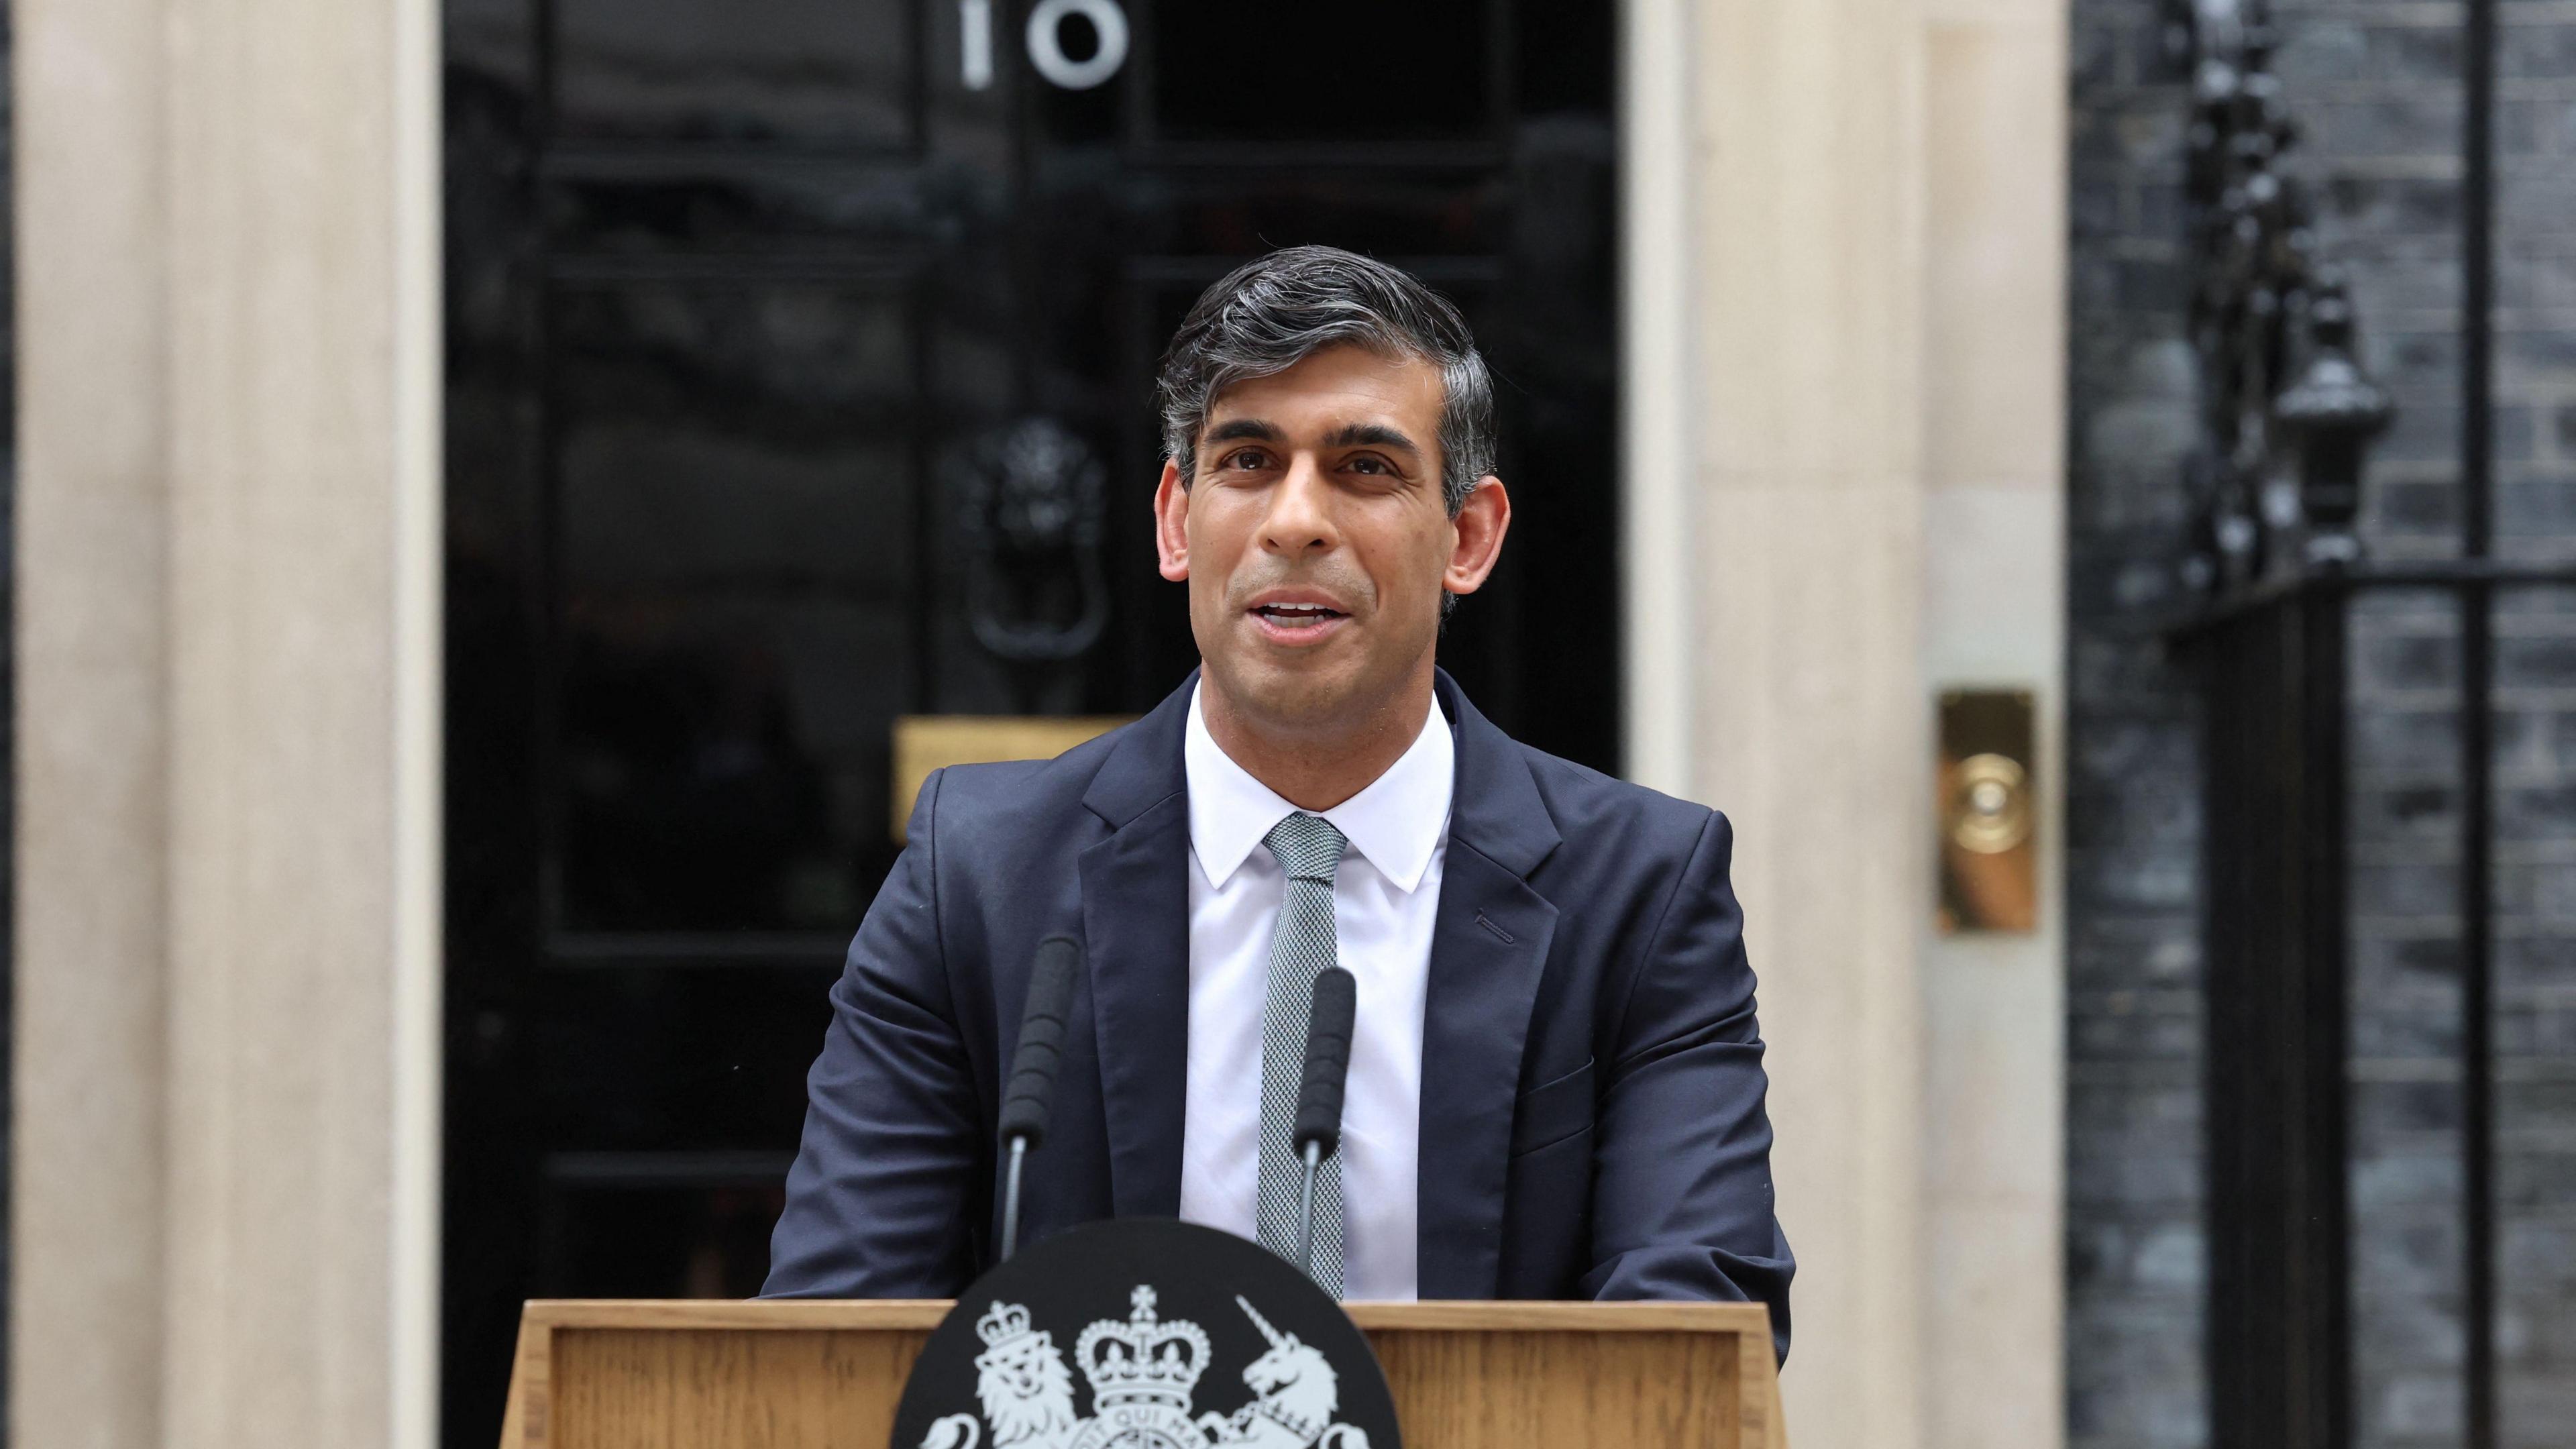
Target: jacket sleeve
[(878, 1202), (1682, 1201)]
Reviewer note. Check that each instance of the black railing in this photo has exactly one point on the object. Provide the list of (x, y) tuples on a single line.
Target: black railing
[(2278, 569), (2280, 1323)]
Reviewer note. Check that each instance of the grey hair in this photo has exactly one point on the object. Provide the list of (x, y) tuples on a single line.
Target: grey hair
[(1267, 316)]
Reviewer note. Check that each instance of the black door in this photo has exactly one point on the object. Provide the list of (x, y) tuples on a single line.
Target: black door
[(799, 381)]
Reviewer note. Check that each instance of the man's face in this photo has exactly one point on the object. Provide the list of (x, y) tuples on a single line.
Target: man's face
[(1315, 541)]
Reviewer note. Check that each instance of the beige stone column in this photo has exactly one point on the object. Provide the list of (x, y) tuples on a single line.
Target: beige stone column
[(1811, 722), (1659, 266), (1995, 612), (87, 1175), (226, 1050), (1872, 262)]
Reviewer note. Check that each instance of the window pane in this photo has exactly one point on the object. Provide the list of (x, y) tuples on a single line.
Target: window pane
[(815, 71), (1323, 71), (735, 466)]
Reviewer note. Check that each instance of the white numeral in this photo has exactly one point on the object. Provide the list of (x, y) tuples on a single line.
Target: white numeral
[(1046, 46), (975, 31)]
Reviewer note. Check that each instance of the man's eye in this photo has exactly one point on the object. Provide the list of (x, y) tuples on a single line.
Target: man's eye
[(1370, 465), (1242, 458)]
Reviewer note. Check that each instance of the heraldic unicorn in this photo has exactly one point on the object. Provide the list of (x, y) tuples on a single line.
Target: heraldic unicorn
[(1143, 1374)]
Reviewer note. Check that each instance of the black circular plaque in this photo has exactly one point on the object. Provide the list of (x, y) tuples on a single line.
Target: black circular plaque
[(1145, 1333)]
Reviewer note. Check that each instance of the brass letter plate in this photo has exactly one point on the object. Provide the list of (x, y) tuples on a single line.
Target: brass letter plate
[(927, 742), (1988, 803)]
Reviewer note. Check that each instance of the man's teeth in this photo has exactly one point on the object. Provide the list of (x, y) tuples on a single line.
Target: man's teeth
[(1298, 613)]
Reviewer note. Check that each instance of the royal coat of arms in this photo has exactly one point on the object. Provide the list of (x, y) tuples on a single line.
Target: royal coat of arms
[(1144, 1376)]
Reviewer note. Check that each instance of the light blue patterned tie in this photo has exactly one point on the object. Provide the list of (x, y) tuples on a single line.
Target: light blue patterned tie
[(1301, 947)]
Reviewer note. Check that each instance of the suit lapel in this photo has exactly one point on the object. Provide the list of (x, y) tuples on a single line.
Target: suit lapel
[(1136, 934), (1488, 947)]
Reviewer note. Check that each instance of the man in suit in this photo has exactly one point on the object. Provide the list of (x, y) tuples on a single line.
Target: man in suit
[(1556, 1085)]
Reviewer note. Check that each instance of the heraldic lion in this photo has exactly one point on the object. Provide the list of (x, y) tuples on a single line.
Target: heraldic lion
[(1025, 1389)]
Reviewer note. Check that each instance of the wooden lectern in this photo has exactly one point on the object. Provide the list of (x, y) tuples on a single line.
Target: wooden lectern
[(806, 1375)]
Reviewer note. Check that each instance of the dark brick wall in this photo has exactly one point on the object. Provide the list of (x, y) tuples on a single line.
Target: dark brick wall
[(2535, 753), (2377, 87), (2136, 1247)]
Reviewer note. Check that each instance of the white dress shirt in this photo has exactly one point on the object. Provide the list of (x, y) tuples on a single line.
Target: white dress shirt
[(1386, 897)]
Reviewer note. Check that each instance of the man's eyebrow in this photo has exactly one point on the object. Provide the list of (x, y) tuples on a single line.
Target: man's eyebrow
[(1372, 435), (1254, 428)]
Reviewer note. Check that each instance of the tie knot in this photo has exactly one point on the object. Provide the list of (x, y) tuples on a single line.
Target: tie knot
[(1307, 846)]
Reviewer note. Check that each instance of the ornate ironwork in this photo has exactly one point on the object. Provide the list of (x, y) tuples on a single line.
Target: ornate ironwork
[(2287, 413), (2286, 409)]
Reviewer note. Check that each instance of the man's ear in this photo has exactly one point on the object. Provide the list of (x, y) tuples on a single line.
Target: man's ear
[(1172, 524), (1481, 523)]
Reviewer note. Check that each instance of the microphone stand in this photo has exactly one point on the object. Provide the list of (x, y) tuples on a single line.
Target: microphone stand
[(1011, 1195), (1306, 1207)]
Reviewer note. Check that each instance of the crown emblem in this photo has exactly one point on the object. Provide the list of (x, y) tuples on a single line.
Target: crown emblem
[(1142, 1361), (1008, 1343), (1001, 1323)]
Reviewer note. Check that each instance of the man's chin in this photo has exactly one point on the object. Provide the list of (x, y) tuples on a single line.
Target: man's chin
[(1288, 696)]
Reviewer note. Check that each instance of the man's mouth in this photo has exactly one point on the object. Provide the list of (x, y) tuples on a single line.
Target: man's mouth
[(1297, 623), (1298, 616)]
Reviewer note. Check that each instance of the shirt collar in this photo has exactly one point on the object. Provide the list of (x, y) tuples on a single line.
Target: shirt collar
[(1397, 822)]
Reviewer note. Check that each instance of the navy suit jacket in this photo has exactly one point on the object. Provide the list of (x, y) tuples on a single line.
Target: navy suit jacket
[(1592, 1084)]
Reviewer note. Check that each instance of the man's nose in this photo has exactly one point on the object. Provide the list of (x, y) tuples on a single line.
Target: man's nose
[(1301, 515)]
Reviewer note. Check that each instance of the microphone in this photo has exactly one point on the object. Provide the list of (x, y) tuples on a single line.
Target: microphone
[(1318, 1131), (1032, 1084)]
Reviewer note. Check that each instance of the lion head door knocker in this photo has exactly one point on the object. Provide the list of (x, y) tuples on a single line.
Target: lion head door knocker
[(1037, 594)]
